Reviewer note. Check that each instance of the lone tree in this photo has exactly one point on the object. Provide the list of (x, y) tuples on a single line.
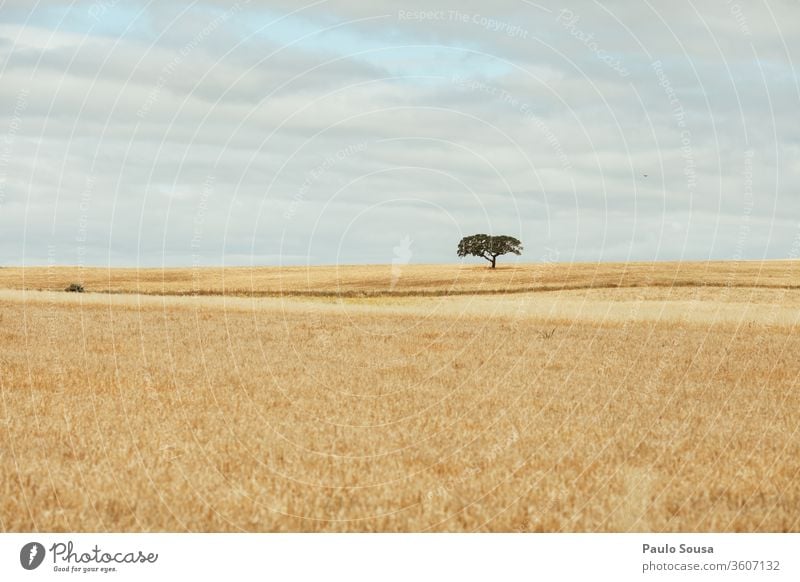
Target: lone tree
[(488, 247)]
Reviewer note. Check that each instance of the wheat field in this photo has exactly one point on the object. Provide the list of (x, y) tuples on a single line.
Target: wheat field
[(615, 397), (404, 280)]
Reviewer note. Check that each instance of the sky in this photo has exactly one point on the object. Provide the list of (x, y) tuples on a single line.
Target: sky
[(350, 132)]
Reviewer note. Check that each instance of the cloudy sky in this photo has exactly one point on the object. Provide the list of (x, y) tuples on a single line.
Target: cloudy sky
[(278, 132)]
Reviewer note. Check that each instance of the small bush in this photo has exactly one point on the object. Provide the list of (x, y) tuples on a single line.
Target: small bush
[(75, 288), (547, 334)]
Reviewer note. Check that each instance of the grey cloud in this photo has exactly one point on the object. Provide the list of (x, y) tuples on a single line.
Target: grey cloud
[(530, 130)]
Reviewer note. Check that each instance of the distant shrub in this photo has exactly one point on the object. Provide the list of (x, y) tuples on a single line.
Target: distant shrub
[(547, 334), (75, 288)]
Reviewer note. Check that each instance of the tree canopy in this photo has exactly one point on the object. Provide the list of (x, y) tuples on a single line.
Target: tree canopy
[(489, 247)]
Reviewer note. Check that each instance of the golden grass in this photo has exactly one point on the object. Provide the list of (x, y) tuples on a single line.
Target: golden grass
[(414, 280), (651, 407)]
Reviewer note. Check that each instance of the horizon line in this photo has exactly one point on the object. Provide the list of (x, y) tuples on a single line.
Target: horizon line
[(331, 265)]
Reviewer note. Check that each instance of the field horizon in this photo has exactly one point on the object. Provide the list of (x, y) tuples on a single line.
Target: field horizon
[(405, 279)]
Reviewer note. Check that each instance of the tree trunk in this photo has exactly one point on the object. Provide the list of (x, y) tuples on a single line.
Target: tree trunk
[(494, 260)]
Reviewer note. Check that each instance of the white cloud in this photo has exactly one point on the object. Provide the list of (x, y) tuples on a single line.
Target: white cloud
[(448, 123)]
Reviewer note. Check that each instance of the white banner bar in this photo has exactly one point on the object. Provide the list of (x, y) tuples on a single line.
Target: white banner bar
[(400, 557)]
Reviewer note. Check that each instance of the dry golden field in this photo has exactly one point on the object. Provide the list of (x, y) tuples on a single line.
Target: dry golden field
[(640, 397), (412, 280)]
